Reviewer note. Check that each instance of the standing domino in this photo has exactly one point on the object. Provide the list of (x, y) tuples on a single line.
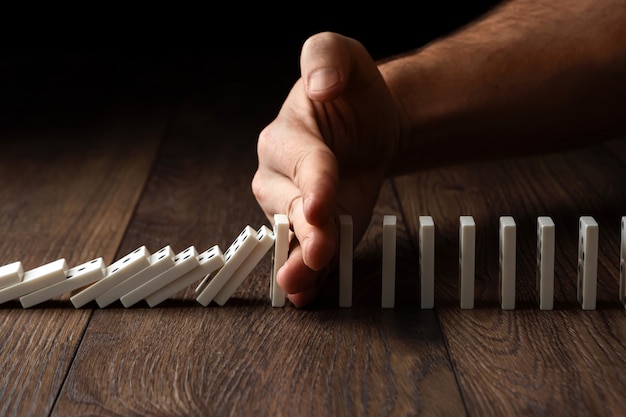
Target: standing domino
[(116, 273), (545, 262), (36, 279), (281, 251), (209, 261), (160, 261), (77, 277), (389, 262), (234, 256), (265, 238), (507, 260), (587, 262), (427, 261), (622, 263), (346, 259), (11, 274), (467, 261)]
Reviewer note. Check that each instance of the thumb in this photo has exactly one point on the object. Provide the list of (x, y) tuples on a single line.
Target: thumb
[(330, 63)]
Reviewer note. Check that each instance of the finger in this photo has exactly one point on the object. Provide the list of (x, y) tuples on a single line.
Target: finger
[(306, 160), (301, 284), (330, 63)]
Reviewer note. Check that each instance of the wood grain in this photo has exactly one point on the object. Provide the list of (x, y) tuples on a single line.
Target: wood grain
[(527, 361), (247, 358), (68, 191)]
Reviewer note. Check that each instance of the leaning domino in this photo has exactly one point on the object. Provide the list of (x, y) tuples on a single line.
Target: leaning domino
[(11, 274), (160, 261), (622, 263), (116, 273), (427, 261), (184, 262), (36, 279), (545, 262), (587, 262), (77, 277), (234, 256), (209, 261), (265, 238), (467, 261), (388, 292), (346, 259), (281, 251), (506, 261)]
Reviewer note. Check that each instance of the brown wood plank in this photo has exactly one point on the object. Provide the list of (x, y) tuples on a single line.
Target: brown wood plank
[(526, 361), (68, 190), (247, 358)]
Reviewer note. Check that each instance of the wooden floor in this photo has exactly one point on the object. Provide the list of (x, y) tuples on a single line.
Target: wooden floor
[(177, 171)]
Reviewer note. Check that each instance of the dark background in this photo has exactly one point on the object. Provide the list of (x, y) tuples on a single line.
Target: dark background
[(53, 68)]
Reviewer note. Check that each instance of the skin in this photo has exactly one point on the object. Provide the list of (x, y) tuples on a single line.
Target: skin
[(529, 77)]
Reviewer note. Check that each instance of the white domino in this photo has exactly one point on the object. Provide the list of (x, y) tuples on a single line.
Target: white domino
[(184, 262), (209, 261), (116, 273), (35, 279), (265, 238), (234, 256), (427, 261), (507, 259), (281, 252), (11, 274), (467, 261), (622, 263), (160, 262), (346, 259), (546, 239), (77, 277), (388, 292), (587, 262)]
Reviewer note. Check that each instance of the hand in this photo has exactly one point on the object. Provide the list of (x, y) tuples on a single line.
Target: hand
[(326, 153)]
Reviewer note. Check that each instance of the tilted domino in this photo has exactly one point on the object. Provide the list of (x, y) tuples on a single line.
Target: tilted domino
[(35, 279), (234, 256), (160, 261), (209, 261), (280, 254), (184, 262), (116, 273), (77, 277), (11, 274)]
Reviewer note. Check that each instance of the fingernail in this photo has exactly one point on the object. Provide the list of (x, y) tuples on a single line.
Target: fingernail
[(323, 79)]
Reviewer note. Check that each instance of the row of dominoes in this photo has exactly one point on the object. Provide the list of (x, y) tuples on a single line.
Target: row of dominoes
[(141, 275), (586, 275)]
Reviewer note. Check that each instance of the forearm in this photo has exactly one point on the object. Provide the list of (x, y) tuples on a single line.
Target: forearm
[(532, 76)]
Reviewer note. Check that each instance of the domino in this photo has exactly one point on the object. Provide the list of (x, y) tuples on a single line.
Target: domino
[(388, 292), (265, 238), (507, 259), (281, 252), (346, 259), (160, 262), (467, 261), (234, 256), (36, 279), (11, 274), (545, 262), (587, 262), (116, 273), (209, 261), (622, 264), (427, 261), (184, 262), (77, 277)]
